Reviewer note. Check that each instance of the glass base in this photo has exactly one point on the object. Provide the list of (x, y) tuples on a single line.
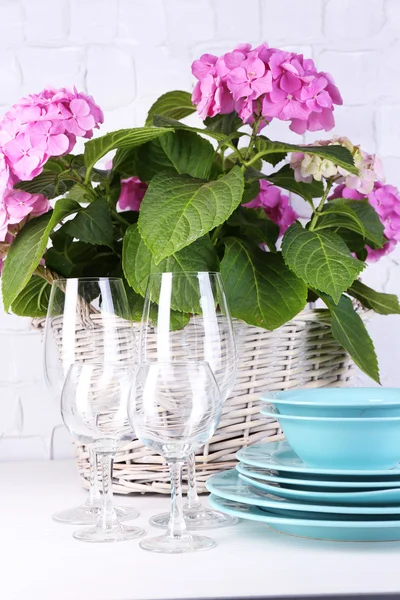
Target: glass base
[(119, 533), (87, 515), (175, 545), (197, 519)]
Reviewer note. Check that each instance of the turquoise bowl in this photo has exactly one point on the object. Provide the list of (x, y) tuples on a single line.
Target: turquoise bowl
[(337, 402), (337, 443)]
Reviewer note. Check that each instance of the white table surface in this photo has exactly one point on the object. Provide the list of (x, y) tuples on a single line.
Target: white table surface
[(39, 559)]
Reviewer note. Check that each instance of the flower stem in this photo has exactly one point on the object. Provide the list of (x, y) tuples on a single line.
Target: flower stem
[(117, 216), (317, 211), (254, 132)]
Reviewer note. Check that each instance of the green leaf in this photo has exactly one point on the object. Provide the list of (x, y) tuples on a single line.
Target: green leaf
[(226, 124), (384, 304), (28, 248), (92, 224), (337, 154), (123, 138), (321, 259), (349, 330), (124, 163), (177, 125), (260, 289), (273, 158), (254, 224), (181, 152), (177, 210), (136, 303), (340, 215), (177, 321), (175, 105), (79, 194), (33, 300), (59, 262), (284, 178), (64, 254), (369, 218), (251, 190), (71, 258), (354, 241), (138, 263), (49, 183)]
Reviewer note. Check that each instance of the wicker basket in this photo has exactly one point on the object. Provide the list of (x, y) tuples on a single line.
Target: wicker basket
[(301, 352)]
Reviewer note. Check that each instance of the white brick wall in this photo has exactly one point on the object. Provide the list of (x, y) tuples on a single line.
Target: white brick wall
[(126, 53)]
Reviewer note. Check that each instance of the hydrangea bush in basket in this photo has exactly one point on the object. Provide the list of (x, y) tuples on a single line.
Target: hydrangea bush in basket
[(212, 197)]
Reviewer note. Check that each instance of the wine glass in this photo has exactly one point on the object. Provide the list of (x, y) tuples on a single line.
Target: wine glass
[(87, 320), (175, 408), (94, 407), (204, 333)]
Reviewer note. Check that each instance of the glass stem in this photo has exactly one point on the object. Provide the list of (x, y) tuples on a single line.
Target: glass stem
[(108, 517), (192, 500), (177, 525), (94, 498)]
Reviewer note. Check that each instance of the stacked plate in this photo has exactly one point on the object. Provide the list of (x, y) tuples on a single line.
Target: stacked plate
[(343, 501)]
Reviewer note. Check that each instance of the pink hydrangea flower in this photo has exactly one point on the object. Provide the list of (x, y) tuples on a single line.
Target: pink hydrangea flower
[(370, 170), (24, 159), (386, 201), (275, 204), (4, 175), (38, 127), (249, 80), (44, 125), (16, 205), (50, 137), (210, 93), (284, 84), (20, 204), (132, 192)]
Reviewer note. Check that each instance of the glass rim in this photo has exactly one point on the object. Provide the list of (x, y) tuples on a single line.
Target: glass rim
[(184, 273), (192, 363), (57, 279), (104, 363)]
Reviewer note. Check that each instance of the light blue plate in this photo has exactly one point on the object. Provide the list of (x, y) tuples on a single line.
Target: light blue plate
[(336, 402), (367, 498), (322, 527), (279, 456), (228, 485), (296, 482)]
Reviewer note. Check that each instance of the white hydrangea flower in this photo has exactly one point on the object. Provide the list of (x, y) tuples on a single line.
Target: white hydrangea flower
[(309, 166)]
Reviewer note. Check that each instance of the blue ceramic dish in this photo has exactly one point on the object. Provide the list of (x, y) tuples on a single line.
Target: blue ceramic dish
[(324, 527), (317, 483), (320, 496), (337, 443), (229, 485), (337, 402), (279, 456)]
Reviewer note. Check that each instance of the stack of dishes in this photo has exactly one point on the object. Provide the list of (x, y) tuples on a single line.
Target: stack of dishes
[(343, 481)]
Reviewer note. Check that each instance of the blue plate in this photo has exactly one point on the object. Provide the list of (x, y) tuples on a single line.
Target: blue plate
[(228, 485), (280, 457), (367, 498), (296, 482), (323, 527)]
